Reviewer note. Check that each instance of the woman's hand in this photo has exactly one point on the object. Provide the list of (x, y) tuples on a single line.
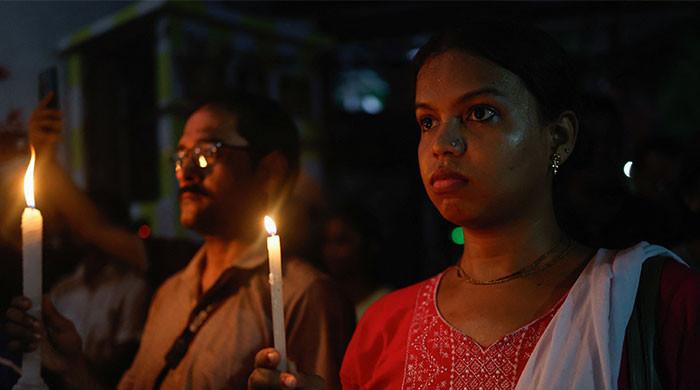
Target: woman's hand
[(266, 376)]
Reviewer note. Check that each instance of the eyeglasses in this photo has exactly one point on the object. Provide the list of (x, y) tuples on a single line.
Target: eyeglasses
[(202, 155)]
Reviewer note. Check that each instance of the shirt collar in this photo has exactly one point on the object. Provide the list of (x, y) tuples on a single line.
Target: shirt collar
[(253, 257)]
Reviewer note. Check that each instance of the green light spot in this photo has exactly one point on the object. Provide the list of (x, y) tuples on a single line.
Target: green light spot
[(458, 235)]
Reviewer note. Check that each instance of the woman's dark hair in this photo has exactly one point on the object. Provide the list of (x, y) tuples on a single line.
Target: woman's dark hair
[(541, 64), (529, 53)]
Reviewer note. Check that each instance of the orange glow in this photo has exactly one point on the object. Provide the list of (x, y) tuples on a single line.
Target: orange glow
[(270, 226), (29, 182)]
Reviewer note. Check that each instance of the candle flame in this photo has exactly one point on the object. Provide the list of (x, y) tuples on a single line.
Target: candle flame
[(29, 181), (270, 226)]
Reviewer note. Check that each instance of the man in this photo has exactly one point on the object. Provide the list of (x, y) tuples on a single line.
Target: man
[(235, 162)]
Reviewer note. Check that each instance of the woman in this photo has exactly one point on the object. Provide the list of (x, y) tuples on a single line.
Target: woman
[(525, 306)]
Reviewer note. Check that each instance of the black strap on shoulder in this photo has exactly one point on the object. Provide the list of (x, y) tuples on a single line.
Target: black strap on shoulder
[(227, 284), (642, 334)]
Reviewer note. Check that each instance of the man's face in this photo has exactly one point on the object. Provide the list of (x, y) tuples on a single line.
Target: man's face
[(216, 198)]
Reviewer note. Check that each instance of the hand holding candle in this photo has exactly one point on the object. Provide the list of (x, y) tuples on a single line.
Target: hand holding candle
[(32, 226), (274, 254)]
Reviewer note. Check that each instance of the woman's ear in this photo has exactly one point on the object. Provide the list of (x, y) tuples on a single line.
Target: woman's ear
[(563, 132), (272, 173)]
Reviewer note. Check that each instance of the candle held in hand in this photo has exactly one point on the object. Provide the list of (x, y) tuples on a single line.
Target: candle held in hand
[(32, 226), (274, 254)]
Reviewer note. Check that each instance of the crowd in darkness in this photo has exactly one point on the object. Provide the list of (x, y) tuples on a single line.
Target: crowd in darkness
[(600, 200), (609, 201)]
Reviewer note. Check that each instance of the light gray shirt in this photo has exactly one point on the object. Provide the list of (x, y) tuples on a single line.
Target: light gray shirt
[(319, 324)]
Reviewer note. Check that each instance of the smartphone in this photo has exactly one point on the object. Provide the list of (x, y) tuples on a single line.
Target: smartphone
[(48, 82)]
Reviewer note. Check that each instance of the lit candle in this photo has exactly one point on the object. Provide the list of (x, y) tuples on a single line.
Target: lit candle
[(31, 276), (274, 254)]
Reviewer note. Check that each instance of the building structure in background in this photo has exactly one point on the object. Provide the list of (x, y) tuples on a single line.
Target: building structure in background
[(131, 75)]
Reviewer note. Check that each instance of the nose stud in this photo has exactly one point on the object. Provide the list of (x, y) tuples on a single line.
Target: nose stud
[(456, 143)]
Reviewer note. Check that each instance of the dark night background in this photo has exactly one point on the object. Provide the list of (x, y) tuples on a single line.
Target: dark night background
[(130, 72), (638, 61)]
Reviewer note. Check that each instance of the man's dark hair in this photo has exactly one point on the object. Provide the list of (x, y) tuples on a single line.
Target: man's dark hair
[(263, 123), (531, 54)]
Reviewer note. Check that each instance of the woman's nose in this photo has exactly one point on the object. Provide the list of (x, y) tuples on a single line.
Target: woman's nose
[(450, 139)]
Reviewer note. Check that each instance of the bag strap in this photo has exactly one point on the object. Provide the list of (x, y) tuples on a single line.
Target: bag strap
[(228, 283), (641, 333)]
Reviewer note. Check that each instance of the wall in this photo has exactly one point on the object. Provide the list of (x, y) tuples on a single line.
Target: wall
[(29, 36)]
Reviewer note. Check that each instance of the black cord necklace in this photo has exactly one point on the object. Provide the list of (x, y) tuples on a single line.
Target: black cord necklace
[(537, 265)]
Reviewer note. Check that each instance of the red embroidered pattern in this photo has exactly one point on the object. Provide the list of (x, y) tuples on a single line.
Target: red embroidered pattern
[(441, 357)]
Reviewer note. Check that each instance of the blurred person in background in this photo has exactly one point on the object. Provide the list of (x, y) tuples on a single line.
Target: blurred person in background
[(350, 253), (106, 301), (688, 247), (591, 193), (12, 145), (655, 175), (106, 295)]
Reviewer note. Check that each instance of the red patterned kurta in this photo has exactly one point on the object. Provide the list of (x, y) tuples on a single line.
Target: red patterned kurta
[(403, 343), (439, 356)]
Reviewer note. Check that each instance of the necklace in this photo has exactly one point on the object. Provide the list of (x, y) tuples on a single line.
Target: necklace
[(535, 266)]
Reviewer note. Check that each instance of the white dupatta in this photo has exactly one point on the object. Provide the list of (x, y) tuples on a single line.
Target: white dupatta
[(582, 346)]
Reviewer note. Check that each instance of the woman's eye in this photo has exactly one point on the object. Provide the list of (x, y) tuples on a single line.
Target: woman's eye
[(426, 123), (481, 113)]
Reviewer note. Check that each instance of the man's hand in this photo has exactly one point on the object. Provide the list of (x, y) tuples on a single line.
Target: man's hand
[(45, 125), (61, 346), (23, 330), (266, 376)]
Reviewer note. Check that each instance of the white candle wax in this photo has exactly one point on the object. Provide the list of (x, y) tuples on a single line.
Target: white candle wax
[(31, 257), (32, 225), (274, 254), (31, 285)]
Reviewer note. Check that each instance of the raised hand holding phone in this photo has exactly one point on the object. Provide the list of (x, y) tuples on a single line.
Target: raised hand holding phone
[(48, 83)]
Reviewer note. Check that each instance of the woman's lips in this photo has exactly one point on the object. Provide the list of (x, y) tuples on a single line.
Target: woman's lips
[(444, 180)]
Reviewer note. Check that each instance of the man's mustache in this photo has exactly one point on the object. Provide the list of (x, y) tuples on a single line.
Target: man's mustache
[(194, 188)]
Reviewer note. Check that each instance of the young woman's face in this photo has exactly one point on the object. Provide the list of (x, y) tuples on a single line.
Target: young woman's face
[(484, 156)]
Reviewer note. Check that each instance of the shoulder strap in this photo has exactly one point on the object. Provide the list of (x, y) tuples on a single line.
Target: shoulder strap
[(641, 334), (228, 283)]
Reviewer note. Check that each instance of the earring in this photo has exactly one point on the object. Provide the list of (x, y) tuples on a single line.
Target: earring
[(457, 143), (556, 162)]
